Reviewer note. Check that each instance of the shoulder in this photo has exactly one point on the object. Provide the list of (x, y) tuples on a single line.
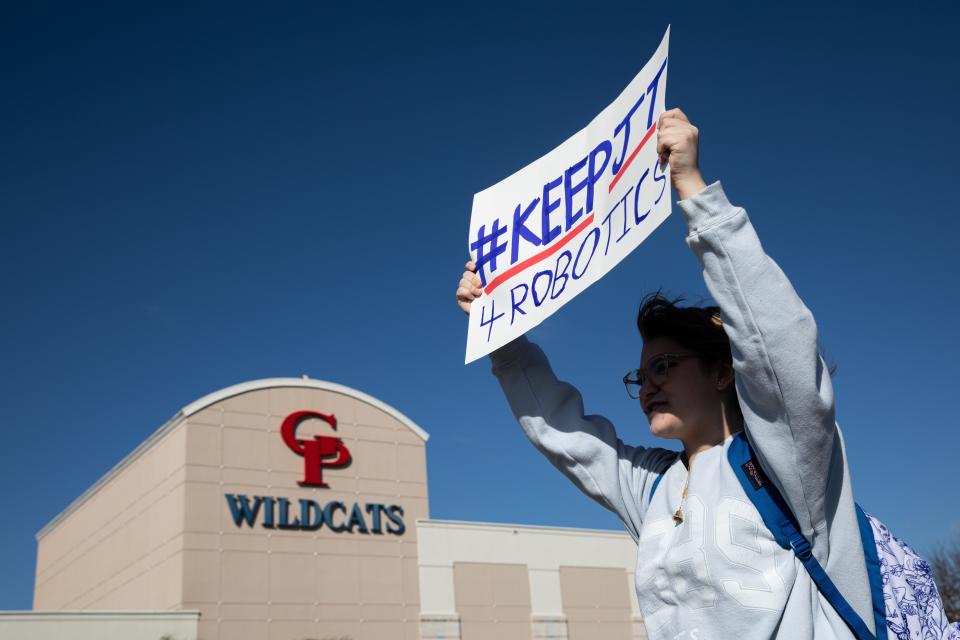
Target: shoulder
[(654, 459)]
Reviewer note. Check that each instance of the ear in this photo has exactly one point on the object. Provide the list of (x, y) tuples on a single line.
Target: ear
[(725, 376)]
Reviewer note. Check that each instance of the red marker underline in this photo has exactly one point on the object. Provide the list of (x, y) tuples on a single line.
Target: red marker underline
[(546, 253), (633, 155), (543, 255)]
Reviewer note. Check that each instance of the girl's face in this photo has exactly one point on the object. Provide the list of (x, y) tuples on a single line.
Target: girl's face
[(688, 403)]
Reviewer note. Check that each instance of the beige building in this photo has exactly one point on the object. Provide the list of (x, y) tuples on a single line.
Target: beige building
[(298, 509)]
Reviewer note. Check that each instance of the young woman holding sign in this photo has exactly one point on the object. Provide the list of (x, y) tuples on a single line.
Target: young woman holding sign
[(707, 565)]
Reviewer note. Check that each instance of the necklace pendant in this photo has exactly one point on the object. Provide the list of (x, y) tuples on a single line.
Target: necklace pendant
[(678, 516)]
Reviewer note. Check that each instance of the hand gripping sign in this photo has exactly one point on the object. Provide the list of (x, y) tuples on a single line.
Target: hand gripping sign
[(555, 227)]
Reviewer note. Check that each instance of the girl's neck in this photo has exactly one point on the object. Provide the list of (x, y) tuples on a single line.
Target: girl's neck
[(731, 423)]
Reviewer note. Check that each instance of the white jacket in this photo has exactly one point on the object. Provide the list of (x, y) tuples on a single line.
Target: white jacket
[(720, 574)]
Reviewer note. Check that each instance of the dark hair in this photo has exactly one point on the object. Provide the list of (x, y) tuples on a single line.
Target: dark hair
[(696, 328)]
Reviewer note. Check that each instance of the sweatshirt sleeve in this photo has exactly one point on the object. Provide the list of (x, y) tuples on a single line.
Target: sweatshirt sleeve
[(783, 385), (585, 448)]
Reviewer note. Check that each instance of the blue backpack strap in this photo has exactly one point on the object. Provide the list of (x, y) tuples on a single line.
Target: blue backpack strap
[(656, 483), (779, 519), (873, 571)]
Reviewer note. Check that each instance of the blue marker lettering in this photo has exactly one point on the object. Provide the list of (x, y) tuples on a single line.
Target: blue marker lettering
[(662, 178), (547, 232), (652, 89), (558, 273), (538, 300), (607, 220), (625, 125), (520, 229), (493, 317), (570, 190), (637, 218), (514, 305), (496, 248), (595, 173), (593, 250)]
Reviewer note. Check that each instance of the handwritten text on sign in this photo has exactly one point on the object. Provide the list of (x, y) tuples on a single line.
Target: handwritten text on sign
[(555, 227)]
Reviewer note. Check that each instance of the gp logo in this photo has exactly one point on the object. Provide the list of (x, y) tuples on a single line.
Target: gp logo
[(319, 453)]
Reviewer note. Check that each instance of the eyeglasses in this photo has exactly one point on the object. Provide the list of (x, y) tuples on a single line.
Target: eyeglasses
[(656, 372)]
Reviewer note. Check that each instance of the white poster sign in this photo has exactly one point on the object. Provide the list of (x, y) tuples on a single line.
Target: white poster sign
[(555, 227)]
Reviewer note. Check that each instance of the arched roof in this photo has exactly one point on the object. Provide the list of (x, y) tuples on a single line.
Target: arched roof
[(213, 398), (305, 383)]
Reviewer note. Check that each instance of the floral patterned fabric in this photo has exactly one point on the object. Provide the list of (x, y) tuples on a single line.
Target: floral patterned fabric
[(914, 608)]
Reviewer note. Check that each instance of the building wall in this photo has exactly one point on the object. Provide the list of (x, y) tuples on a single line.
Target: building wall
[(255, 582), (493, 600), (481, 580), (122, 546), (157, 532), (595, 603)]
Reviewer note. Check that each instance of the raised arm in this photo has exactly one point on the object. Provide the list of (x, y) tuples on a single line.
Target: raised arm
[(585, 448), (783, 386)]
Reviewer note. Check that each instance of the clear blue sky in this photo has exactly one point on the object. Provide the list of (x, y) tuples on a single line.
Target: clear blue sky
[(197, 194)]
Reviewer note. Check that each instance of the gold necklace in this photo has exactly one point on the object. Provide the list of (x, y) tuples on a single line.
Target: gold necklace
[(678, 514)]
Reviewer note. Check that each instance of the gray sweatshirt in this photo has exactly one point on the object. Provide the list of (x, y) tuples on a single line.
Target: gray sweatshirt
[(720, 574)]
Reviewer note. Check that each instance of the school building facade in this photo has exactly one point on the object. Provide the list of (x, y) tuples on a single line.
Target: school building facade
[(298, 509)]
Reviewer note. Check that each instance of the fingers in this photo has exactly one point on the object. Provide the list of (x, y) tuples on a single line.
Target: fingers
[(668, 141), (670, 125), (679, 136), (672, 116), (672, 138), (466, 294), (663, 150), (471, 282), (471, 277), (469, 288)]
